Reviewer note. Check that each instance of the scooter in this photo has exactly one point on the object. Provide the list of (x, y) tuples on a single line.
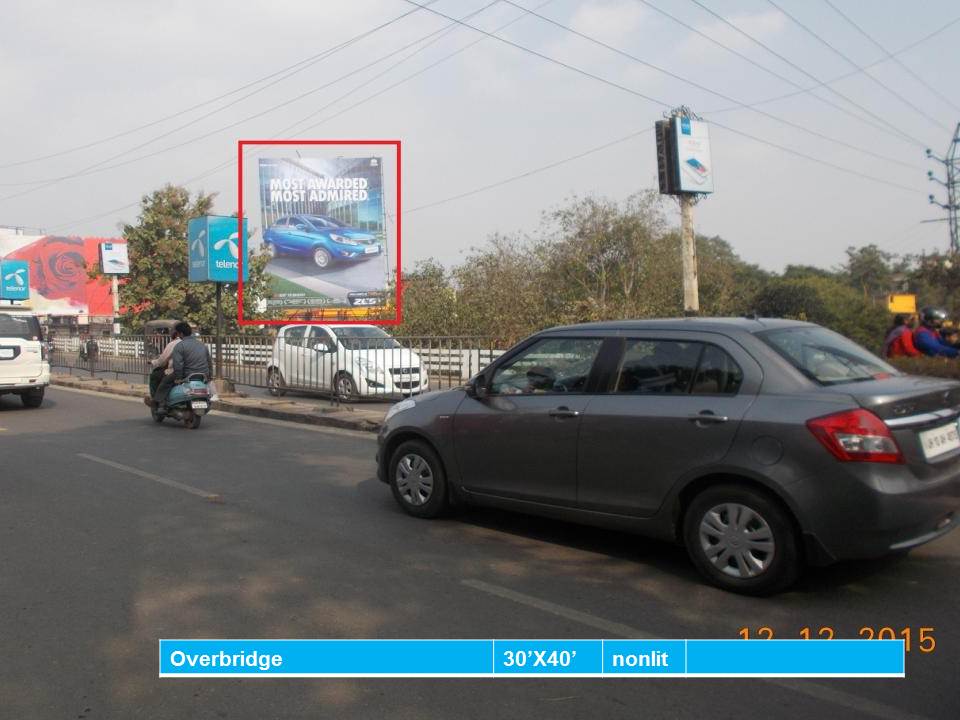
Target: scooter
[(187, 401)]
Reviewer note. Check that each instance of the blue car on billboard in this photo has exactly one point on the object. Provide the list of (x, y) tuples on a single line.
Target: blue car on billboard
[(320, 238)]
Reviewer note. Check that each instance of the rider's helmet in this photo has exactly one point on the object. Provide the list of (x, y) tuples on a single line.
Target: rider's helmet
[(933, 317)]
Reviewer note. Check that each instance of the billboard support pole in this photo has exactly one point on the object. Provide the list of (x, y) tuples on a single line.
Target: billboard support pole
[(688, 249), (115, 291), (219, 362)]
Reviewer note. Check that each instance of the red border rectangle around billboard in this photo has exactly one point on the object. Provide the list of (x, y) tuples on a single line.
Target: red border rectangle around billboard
[(398, 316)]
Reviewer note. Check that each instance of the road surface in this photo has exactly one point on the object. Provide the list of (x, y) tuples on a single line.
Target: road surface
[(115, 532)]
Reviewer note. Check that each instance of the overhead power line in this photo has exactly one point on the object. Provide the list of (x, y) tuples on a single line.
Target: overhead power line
[(232, 161), (801, 90), (103, 165), (296, 67), (889, 90), (528, 173), (813, 77), (662, 103), (738, 103), (550, 165), (890, 56)]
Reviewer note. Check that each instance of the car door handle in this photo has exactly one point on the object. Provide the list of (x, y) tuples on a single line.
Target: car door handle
[(708, 417), (564, 412)]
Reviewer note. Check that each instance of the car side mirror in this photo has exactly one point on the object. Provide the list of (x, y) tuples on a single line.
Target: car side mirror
[(477, 387), (301, 228)]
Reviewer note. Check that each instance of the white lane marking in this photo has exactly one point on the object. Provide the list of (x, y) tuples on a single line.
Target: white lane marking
[(233, 416), (806, 687), (614, 628), (205, 494)]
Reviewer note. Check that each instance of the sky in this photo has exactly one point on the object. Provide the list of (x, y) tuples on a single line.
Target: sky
[(107, 100)]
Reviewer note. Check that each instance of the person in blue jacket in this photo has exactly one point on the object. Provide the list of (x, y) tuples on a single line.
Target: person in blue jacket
[(926, 338)]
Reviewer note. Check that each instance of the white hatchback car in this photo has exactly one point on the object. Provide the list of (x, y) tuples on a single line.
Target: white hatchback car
[(351, 360), (24, 368)]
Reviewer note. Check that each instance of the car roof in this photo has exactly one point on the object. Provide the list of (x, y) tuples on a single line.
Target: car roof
[(702, 324)]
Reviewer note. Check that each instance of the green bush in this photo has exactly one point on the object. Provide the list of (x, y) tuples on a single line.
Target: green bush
[(934, 366)]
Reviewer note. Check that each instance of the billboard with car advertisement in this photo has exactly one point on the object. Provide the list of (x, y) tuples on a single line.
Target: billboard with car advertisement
[(58, 272), (325, 229)]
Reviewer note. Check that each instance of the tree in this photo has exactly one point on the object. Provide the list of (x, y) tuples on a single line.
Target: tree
[(869, 270), (429, 302), (829, 302), (157, 286)]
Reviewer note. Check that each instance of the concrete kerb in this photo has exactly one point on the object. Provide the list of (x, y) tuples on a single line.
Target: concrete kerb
[(277, 410)]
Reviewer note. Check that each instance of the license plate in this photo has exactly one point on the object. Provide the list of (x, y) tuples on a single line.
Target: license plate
[(6, 353), (940, 440), (372, 249), (199, 405)]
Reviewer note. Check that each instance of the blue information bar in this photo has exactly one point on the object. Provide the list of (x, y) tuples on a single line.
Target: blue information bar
[(526, 658)]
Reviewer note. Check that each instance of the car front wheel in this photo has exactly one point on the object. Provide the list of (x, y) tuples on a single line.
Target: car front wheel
[(275, 384), (742, 540), (417, 479), (322, 258)]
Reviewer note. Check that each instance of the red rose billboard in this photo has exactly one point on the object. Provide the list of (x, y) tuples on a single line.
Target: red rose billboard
[(59, 266)]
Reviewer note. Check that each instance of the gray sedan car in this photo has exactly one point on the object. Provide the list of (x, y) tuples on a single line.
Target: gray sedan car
[(760, 445)]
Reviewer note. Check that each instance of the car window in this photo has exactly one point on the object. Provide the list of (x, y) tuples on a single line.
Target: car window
[(717, 373), (550, 365), (658, 366), (826, 357), (319, 336), (294, 335), (22, 327)]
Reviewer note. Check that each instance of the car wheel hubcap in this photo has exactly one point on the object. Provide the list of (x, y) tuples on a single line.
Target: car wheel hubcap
[(344, 387), (414, 479), (737, 540), (321, 258)]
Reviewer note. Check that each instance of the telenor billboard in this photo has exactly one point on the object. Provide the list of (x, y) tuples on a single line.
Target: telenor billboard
[(214, 250), (14, 280)]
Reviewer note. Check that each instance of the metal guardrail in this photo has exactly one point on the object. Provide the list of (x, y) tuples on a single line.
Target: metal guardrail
[(363, 368)]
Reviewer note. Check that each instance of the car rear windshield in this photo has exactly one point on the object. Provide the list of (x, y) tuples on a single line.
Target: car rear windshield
[(365, 338), (22, 327), (825, 356)]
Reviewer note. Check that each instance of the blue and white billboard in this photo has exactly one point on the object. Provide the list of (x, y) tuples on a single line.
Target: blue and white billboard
[(695, 170), (14, 280), (215, 250)]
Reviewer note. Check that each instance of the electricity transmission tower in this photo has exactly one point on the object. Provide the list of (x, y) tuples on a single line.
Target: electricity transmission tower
[(951, 181)]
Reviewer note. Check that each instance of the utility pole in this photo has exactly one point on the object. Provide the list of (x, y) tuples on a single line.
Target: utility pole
[(684, 170), (951, 164), (688, 249)]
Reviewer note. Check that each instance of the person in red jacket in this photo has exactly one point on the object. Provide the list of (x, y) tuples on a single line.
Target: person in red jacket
[(899, 341)]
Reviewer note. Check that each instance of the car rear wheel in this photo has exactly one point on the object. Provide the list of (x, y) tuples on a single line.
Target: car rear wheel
[(32, 398), (742, 540), (417, 480), (275, 383), (322, 258), (271, 250)]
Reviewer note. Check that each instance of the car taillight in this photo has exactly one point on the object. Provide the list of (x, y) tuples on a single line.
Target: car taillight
[(856, 436), (44, 351)]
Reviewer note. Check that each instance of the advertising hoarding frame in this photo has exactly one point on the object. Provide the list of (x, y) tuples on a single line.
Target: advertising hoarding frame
[(398, 317)]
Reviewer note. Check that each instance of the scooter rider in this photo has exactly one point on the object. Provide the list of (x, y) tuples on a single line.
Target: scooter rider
[(926, 338), (189, 357)]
